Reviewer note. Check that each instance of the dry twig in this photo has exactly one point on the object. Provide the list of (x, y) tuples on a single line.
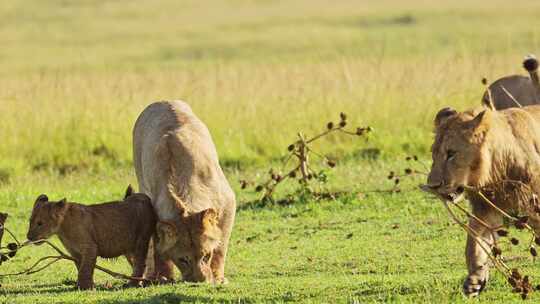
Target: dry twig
[(53, 259), (301, 151)]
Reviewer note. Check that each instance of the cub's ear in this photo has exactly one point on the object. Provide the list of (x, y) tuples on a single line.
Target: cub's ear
[(443, 115), (61, 203), (3, 217), (60, 208), (129, 192), (42, 198)]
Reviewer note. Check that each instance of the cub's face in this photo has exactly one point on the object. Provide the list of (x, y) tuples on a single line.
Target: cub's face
[(190, 243), (46, 218)]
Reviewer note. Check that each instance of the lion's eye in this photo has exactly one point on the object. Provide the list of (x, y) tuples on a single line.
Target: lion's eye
[(39, 223), (450, 154)]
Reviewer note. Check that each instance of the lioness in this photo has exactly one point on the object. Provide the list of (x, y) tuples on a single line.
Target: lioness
[(496, 151), (525, 90), (106, 230), (177, 166)]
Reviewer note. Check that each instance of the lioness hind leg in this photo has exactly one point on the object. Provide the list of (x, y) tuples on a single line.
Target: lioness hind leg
[(477, 258)]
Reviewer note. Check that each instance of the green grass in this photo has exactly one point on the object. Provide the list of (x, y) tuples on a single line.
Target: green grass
[(75, 75), (365, 247)]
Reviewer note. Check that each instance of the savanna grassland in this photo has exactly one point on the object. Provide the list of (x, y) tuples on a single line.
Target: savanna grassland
[(75, 74)]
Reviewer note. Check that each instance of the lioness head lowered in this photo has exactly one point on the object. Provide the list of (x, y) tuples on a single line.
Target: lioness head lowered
[(189, 242), (460, 156), (46, 218)]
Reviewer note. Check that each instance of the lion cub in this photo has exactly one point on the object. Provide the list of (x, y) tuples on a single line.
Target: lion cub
[(106, 230)]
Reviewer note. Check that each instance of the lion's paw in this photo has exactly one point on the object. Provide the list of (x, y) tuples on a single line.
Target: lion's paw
[(473, 286)]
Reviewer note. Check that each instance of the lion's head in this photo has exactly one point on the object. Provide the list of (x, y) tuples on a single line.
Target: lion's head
[(46, 218), (460, 156), (190, 242)]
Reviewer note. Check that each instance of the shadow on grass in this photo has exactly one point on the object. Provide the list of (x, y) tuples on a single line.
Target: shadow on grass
[(296, 199), (179, 298), (52, 288)]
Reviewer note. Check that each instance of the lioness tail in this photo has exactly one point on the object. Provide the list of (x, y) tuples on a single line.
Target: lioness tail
[(530, 63)]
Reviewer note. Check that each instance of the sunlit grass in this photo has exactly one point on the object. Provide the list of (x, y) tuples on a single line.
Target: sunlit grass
[(76, 74)]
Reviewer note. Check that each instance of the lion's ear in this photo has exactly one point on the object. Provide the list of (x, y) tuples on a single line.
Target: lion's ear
[(42, 198), (166, 230), (61, 207), (443, 115), (209, 223), (166, 235), (480, 124), (209, 217)]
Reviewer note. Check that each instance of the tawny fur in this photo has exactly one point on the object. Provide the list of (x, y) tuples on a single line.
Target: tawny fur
[(177, 166), (497, 152), (106, 230)]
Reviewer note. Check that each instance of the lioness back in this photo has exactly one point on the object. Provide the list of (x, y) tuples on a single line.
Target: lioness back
[(169, 134)]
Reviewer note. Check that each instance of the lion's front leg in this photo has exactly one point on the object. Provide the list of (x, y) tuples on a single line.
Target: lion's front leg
[(477, 258)]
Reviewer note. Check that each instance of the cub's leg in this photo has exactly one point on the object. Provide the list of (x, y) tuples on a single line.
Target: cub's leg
[(477, 258), (87, 263), (139, 261)]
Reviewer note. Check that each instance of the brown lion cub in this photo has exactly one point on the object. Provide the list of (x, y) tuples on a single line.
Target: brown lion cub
[(106, 230)]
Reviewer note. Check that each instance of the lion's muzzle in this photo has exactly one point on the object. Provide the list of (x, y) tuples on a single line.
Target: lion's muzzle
[(445, 192)]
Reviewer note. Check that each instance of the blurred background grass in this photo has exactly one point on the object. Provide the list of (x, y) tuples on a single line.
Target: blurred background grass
[(75, 74)]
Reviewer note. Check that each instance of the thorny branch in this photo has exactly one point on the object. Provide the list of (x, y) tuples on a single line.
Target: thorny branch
[(53, 259), (300, 150), (520, 284)]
